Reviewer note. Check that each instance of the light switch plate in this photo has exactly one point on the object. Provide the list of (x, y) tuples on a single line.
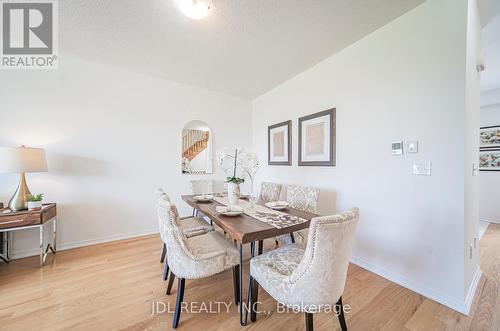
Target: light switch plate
[(412, 146), (422, 169), (475, 169)]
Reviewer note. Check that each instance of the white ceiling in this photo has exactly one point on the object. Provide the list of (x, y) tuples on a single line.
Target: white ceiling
[(243, 48)]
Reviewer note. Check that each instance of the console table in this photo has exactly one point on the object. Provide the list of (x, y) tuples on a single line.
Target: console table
[(28, 219)]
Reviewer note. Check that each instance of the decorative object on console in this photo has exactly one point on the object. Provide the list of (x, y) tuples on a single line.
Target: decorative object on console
[(489, 137), (317, 139), (21, 160), (279, 143), (35, 201), (489, 160)]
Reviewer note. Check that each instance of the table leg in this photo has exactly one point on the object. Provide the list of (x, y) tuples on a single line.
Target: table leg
[(244, 308), (41, 245), (54, 238), (4, 256), (9, 245)]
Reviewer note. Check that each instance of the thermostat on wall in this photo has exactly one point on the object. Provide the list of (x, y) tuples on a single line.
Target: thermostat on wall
[(397, 147)]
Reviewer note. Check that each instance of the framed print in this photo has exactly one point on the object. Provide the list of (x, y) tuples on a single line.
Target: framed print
[(489, 160), (279, 143), (489, 137), (317, 139)]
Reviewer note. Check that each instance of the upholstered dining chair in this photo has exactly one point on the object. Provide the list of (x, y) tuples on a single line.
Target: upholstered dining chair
[(303, 198), (196, 257), (269, 192), (201, 186), (311, 279), (191, 227)]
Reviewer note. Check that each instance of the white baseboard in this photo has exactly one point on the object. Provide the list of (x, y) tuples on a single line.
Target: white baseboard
[(82, 243), (472, 289), (460, 306)]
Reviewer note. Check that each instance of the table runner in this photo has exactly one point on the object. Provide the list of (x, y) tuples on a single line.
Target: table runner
[(264, 214)]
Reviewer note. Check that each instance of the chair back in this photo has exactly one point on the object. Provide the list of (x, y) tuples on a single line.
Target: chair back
[(172, 233), (160, 193), (321, 275), (202, 186), (302, 197), (269, 191)]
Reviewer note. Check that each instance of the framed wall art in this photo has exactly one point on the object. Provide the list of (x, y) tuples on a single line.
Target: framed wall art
[(317, 139), (489, 137), (279, 143), (489, 160)]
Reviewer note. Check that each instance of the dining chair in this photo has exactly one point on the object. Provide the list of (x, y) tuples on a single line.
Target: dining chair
[(191, 227), (310, 279), (201, 186), (269, 192), (303, 198), (195, 257)]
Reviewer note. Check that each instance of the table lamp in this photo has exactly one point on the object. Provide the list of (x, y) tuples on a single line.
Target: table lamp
[(21, 160)]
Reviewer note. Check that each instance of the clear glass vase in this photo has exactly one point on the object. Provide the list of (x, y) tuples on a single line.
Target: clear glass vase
[(253, 195)]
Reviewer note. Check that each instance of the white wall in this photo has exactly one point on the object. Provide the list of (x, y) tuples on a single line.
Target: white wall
[(489, 181), (111, 138), (404, 81)]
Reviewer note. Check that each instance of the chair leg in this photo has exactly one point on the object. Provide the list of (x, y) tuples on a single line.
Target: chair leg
[(309, 322), (166, 269), (170, 283), (292, 237), (163, 253), (236, 284), (180, 297), (254, 299), (261, 246), (194, 212), (340, 312)]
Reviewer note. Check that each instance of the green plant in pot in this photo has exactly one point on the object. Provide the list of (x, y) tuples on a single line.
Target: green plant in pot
[(35, 201)]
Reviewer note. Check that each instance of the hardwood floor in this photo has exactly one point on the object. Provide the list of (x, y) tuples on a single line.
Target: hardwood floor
[(113, 287)]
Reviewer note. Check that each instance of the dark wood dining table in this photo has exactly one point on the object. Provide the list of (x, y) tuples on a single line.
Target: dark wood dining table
[(245, 229)]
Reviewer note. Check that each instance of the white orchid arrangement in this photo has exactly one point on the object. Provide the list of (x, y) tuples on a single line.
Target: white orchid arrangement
[(241, 159), (249, 162)]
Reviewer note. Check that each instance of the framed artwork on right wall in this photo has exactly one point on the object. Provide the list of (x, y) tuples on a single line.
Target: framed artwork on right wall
[(489, 159), (489, 137), (317, 139)]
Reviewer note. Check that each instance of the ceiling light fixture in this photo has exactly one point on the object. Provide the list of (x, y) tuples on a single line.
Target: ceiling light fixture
[(195, 9)]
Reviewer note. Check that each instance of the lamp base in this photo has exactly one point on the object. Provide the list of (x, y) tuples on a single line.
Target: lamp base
[(19, 199)]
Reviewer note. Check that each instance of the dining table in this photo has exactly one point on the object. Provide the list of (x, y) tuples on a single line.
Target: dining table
[(244, 229)]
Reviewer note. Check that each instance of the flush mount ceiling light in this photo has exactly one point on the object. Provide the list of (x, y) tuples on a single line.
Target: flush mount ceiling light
[(195, 9)]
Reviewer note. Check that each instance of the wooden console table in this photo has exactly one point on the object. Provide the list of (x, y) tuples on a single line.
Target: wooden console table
[(28, 219)]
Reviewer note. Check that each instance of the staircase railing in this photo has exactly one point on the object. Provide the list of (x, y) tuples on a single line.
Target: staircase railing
[(194, 142)]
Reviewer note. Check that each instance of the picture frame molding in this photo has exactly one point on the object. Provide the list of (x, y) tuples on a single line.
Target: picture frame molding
[(333, 139), (288, 139)]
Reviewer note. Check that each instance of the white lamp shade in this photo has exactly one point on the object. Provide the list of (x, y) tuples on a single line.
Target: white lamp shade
[(22, 159)]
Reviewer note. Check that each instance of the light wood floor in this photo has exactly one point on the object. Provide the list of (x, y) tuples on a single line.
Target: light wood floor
[(112, 287)]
